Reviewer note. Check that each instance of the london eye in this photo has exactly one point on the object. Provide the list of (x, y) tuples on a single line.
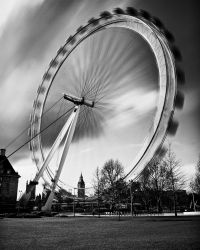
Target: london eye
[(95, 90)]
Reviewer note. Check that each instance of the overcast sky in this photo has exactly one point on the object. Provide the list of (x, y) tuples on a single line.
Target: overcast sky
[(31, 33)]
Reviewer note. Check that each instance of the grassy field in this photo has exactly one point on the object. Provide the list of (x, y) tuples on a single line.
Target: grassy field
[(100, 233)]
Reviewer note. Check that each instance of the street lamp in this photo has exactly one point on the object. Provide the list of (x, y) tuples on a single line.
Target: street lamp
[(131, 195), (74, 203)]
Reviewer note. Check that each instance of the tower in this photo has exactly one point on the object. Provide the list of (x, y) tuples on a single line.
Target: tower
[(28, 185), (8, 184), (81, 187)]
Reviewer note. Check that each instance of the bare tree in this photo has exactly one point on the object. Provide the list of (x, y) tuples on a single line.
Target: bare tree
[(98, 187), (97, 183), (153, 182), (107, 181), (111, 172), (195, 184), (193, 191), (145, 188), (158, 183), (174, 176)]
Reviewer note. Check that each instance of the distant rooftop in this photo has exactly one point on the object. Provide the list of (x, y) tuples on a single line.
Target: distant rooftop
[(5, 166)]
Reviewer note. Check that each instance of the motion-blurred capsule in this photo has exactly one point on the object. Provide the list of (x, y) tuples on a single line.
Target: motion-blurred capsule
[(156, 21), (180, 75), (172, 127), (161, 151), (46, 76), (30, 146), (131, 11), (38, 104), (71, 39), (168, 35), (106, 15), (81, 29), (144, 14), (29, 132), (53, 63), (62, 50), (34, 103), (179, 101), (93, 21), (30, 117), (176, 52), (118, 11), (36, 119), (41, 90)]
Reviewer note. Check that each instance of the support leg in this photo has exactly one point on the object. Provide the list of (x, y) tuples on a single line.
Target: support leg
[(25, 197), (67, 143)]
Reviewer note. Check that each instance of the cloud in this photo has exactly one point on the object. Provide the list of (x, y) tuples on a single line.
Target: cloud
[(131, 107), (30, 31), (30, 34), (86, 150)]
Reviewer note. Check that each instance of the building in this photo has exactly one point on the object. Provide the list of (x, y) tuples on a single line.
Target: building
[(30, 187), (8, 184), (81, 187)]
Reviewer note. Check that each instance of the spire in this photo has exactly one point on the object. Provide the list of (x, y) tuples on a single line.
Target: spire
[(81, 181), (81, 178), (81, 187)]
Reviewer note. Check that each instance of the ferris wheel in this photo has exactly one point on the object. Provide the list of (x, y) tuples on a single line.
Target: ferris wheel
[(82, 89)]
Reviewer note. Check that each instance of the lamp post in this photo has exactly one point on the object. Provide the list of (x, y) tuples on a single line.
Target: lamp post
[(131, 195), (98, 201), (74, 203), (119, 205)]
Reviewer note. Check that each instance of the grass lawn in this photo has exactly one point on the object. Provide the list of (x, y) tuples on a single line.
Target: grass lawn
[(100, 233)]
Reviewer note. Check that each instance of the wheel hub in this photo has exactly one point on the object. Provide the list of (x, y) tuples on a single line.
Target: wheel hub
[(79, 100)]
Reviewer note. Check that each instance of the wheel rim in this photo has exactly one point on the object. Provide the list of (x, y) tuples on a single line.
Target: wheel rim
[(167, 83)]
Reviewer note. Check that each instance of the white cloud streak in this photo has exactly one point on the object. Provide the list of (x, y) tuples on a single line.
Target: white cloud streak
[(131, 107)]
